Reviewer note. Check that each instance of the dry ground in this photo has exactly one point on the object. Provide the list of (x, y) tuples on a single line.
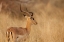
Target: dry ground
[(49, 15)]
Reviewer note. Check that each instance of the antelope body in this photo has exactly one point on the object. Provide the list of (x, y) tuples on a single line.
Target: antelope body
[(15, 34)]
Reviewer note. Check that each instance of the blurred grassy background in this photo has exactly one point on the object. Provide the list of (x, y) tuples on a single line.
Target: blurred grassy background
[(49, 15)]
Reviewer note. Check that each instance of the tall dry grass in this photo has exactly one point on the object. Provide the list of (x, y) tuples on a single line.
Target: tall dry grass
[(50, 27)]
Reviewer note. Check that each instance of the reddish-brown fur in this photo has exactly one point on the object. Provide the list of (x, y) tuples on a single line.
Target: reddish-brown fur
[(14, 33)]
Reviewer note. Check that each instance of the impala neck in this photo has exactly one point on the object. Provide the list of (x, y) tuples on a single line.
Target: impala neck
[(28, 25)]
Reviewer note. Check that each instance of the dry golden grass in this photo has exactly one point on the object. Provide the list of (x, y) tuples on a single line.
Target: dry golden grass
[(50, 27)]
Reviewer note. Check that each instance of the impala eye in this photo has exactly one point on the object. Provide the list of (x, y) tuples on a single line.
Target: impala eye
[(24, 15)]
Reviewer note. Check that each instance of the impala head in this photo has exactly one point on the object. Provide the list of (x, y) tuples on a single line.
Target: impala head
[(29, 16), (30, 19)]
